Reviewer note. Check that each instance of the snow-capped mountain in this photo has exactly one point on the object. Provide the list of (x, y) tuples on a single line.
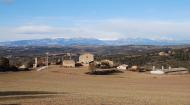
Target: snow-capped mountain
[(83, 41)]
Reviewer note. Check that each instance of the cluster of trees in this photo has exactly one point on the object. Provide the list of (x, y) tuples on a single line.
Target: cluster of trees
[(102, 68), (180, 58), (4, 65), (13, 64), (99, 65), (127, 59), (182, 55)]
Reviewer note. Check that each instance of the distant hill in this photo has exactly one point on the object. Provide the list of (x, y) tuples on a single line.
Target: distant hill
[(58, 42), (83, 41)]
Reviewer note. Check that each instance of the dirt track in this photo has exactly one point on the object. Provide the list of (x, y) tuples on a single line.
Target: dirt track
[(128, 88)]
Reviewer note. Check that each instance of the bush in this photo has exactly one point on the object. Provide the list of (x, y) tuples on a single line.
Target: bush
[(6, 69), (4, 62), (78, 65)]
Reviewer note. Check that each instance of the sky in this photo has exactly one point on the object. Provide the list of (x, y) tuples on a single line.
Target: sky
[(101, 19)]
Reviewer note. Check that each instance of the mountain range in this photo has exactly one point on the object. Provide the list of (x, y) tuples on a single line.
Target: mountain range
[(86, 42)]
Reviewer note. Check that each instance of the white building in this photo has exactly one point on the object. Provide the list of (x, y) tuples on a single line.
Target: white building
[(122, 67)]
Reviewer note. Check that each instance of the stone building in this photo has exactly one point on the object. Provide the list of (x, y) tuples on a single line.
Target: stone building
[(109, 62), (163, 54), (86, 58), (69, 63)]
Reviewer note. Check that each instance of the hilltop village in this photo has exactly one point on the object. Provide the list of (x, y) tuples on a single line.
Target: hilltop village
[(138, 58)]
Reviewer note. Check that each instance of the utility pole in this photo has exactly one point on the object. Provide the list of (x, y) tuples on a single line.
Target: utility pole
[(162, 68), (70, 56), (62, 59), (36, 63), (153, 68), (47, 59)]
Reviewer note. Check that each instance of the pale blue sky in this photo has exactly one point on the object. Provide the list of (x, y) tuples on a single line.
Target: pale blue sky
[(102, 19)]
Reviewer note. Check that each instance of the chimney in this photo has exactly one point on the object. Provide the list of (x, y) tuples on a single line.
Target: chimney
[(162, 68), (153, 68)]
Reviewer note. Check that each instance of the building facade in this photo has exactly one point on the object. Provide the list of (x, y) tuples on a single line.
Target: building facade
[(69, 63), (86, 58)]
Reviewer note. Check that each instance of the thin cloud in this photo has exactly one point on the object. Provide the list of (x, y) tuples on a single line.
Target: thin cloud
[(34, 29), (7, 2), (146, 29), (65, 32), (107, 29)]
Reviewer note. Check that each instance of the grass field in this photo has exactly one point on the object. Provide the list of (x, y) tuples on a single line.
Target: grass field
[(64, 86)]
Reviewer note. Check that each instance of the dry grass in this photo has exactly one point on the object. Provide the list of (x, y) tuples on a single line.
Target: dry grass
[(127, 88)]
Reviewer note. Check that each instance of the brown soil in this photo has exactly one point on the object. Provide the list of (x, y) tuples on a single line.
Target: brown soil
[(79, 88)]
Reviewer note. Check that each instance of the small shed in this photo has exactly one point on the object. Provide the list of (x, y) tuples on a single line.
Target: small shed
[(23, 67), (135, 68), (122, 67), (69, 63)]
